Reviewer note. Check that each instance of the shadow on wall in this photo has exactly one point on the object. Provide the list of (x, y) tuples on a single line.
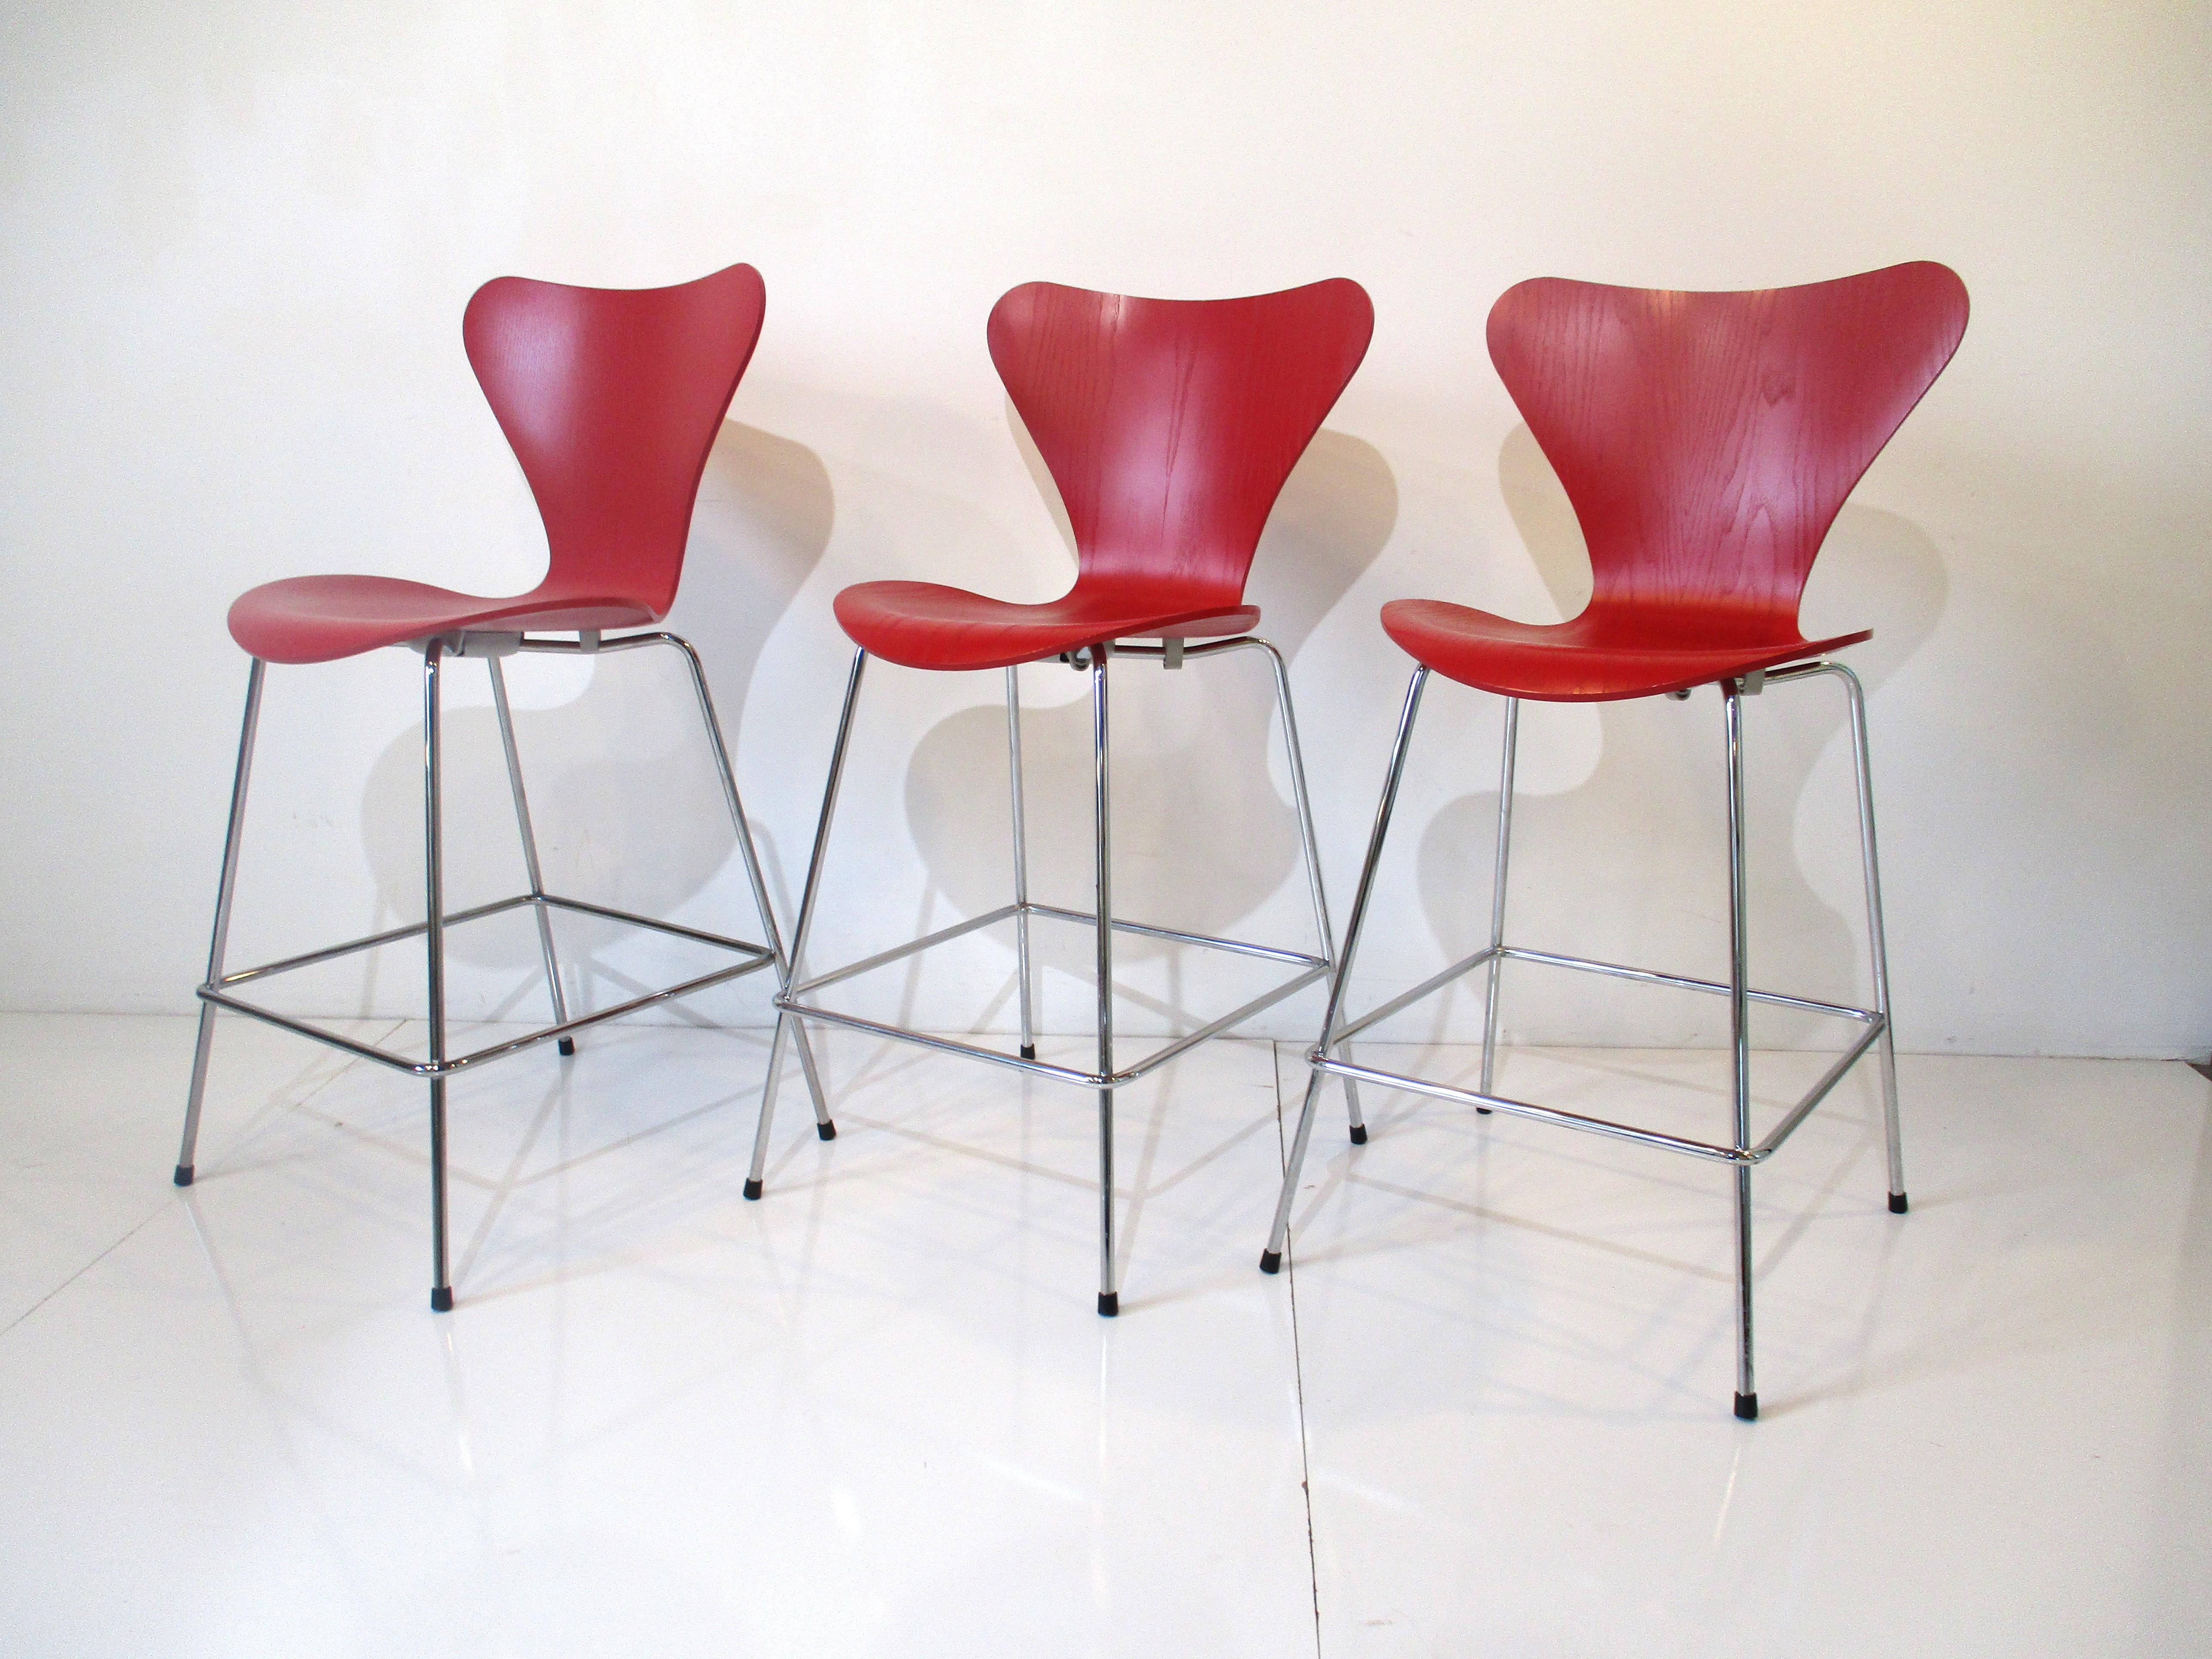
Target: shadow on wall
[(623, 791), (1202, 835), (1631, 865)]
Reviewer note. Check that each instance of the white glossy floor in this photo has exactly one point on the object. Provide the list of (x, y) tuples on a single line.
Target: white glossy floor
[(1485, 1411)]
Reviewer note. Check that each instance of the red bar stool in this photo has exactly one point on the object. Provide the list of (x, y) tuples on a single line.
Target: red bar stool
[(1706, 441), (611, 400), (1169, 427)]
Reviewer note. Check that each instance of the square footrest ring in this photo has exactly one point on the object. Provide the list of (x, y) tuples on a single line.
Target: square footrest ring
[(220, 992), (1321, 1059), (1312, 968)]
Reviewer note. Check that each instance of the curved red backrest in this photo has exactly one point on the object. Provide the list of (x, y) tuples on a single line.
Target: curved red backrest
[(611, 399), (1169, 425), (1707, 440)]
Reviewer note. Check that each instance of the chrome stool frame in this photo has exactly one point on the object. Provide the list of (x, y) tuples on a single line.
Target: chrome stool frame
[(1330, 1058), (220, 990), (1107, 1077)]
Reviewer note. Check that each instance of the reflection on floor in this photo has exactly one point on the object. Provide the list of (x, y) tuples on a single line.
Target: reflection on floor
[(1486, 1410)]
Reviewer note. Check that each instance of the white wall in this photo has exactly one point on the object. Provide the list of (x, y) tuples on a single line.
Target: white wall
[(237, 239)]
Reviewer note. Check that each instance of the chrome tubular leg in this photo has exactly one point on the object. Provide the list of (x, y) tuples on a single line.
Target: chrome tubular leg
[(1021, 862), (433, 882), (1877, 946), (1109, 1297), (1278, 1234), (567, 1044), (1271, 1258), (1307, 839), (743, 828), (187, 1148), (807, 901), (1747, 1391), (1512, 742)]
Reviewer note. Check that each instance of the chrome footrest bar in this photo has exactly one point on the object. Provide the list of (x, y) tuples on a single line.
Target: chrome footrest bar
[(1081, 918), (1590, 965), (1161, 1057), (943, 1045), (497, 907), (1314, 968), (676, 930), (530, 1040), (1115, 1079), (1705, 1149), (1587, 965), (1435, 982), (1877, 1029), (370, 941), (218, 991), (1058, 915), (1645, 976), (899, 953), (1237, 946)]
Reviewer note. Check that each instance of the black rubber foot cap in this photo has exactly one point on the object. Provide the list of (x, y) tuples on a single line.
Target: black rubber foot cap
[(441, 1299), (1897, 1204), (566, 1045), (1746, 1407), (752, 1189), (1359, 1134), (826, 1131), (1482, 1111), (184, 1176), (1109, 1304), (1029, 1051), (1271, 1262)]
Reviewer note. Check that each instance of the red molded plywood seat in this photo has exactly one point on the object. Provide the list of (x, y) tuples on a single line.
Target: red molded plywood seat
[(1706, 441), (614, 475), (1605, 653), (304, 619), (925, 625), (1168, 465)]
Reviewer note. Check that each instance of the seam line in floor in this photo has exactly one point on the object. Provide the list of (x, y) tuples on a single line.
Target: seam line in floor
[(154, 1214), (1297, 1366)]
